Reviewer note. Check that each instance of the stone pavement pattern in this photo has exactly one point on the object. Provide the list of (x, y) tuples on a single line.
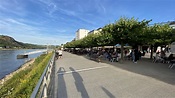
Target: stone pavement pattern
[(78, 77)]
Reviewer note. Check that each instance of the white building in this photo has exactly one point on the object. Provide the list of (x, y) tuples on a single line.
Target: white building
[(81, 33)]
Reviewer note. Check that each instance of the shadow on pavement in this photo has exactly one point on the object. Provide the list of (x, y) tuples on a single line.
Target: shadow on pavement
[(108, 93), (146, 67), (79, 83), (62, 92), (158, 71)]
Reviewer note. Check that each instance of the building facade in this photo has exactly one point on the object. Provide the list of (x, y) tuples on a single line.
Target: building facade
[(81, 33), (172, 24), (95, 31)]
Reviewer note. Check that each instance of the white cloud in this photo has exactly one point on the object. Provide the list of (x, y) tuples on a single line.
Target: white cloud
[(12, 7), (52, 8), (48, 27), (47, 4), (31, 34), (17, 26), (99, 5), (103, 8), (67, 8), (15, 22), (61, 30), (77, 15)]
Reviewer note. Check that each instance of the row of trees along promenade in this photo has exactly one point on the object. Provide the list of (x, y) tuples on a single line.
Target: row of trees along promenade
[(127, 31)]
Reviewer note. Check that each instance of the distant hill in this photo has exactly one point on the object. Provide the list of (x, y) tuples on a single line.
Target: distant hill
[(9, 42)]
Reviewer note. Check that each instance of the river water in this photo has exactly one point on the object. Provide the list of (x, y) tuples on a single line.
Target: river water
[(9, 61)]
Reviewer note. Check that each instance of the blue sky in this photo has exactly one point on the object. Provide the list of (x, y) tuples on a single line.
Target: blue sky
[(56, 21)]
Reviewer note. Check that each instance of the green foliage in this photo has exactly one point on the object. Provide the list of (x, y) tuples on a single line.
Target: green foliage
[(105, 39), (22, 84), (128, 30), (90, 40), (159, 34)]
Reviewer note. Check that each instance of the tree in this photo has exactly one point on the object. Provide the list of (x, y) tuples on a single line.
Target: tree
[(90, 40), (164, 32), (129, 31), (158, 35), (105, 38)]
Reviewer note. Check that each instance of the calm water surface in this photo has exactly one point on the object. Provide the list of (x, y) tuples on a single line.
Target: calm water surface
[(9, 61)]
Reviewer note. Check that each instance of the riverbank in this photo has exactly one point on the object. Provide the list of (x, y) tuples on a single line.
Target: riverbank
[(22, 67), (23, 82), (9, 61)]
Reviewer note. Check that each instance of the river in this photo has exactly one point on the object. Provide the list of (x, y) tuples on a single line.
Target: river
[(9, 61)]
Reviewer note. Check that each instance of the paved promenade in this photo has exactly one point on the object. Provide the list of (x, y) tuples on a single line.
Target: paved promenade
[(78, 77)]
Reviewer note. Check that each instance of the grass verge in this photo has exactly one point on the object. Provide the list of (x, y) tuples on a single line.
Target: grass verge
[(22, 83)]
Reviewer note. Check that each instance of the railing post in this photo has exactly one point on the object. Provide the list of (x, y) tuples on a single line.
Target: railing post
[(45, 87)]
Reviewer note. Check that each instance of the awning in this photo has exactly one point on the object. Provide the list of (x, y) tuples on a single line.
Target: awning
[(125, 46)]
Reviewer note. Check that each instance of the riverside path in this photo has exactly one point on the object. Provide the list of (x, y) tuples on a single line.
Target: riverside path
[(78, 77)]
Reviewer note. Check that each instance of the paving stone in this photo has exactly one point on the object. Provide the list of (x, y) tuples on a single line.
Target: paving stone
[(84, 78)]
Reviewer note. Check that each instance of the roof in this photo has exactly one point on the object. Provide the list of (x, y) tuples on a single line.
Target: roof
[(172, 23)]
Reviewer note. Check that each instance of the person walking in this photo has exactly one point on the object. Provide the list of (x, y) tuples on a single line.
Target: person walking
[(60, 53)]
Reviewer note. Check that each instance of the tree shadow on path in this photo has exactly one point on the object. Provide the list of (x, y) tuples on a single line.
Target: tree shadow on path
[(146, 67)]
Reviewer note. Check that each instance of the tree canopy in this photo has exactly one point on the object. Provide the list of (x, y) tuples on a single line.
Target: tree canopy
[(127, 30)]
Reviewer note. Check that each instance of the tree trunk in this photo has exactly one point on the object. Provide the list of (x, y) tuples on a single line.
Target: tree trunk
[(122, 47), (151, 56), (90, 49)]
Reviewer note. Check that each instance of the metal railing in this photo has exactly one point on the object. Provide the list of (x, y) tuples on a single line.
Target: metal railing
[(40, 91)]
